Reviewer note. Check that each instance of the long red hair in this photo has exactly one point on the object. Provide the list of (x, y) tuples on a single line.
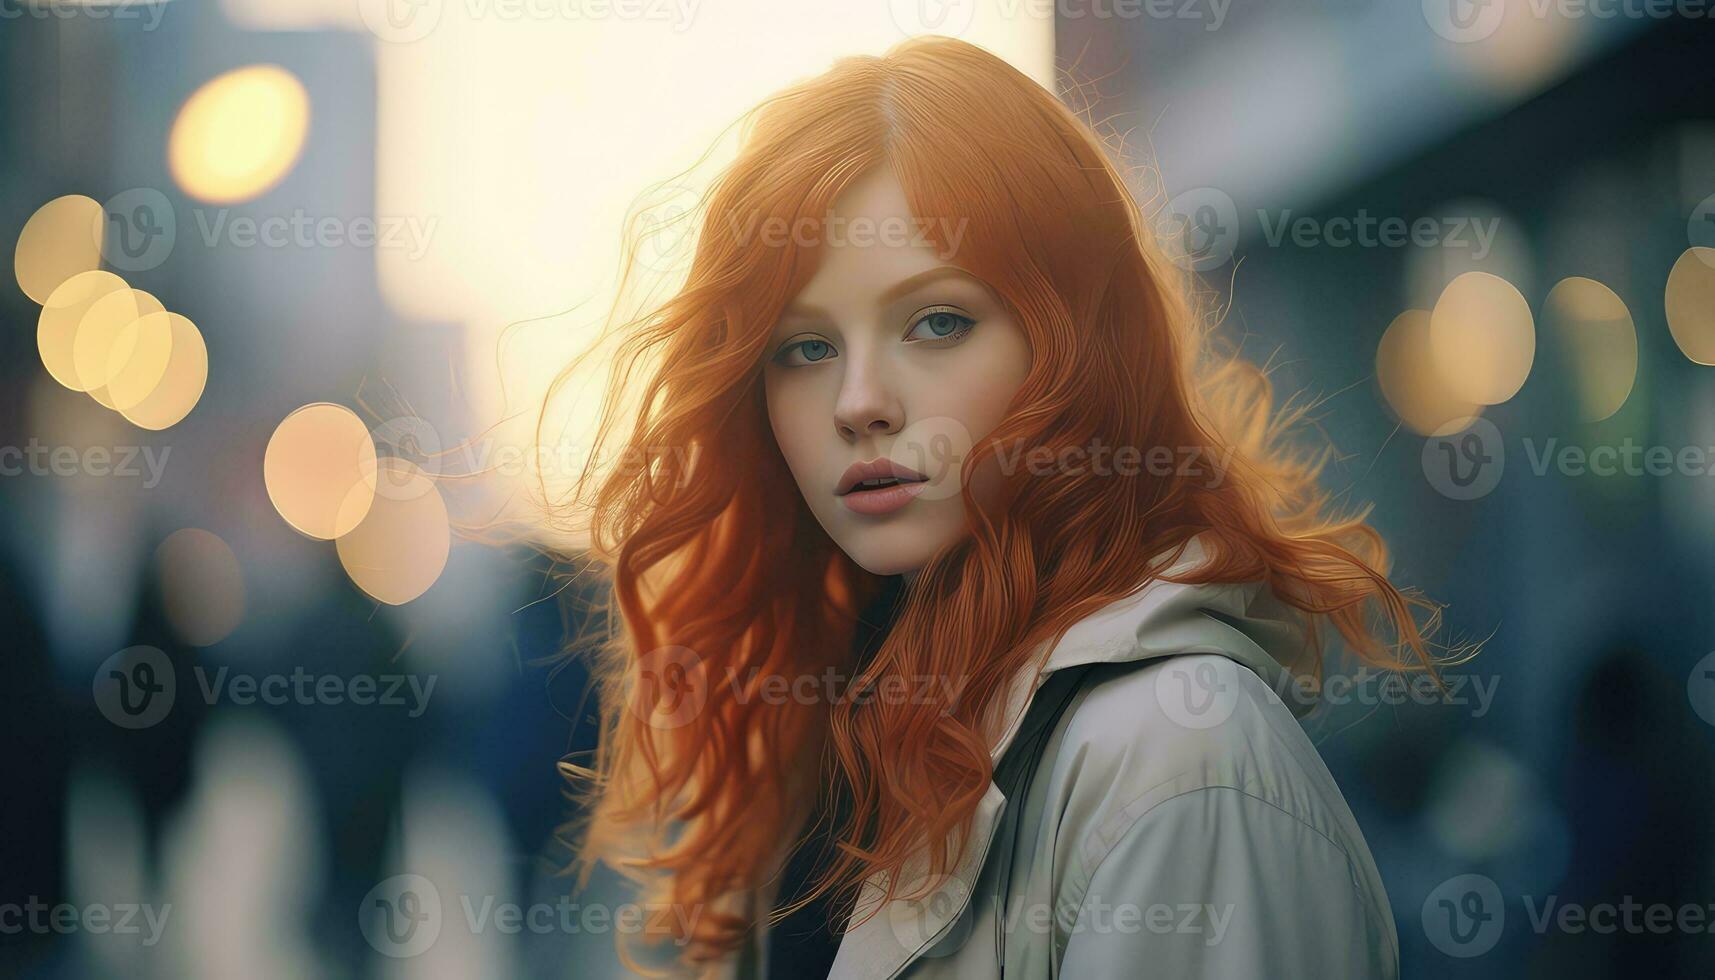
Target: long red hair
[(722, 578)]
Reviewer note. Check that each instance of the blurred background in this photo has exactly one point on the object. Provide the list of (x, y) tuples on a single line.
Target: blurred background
[(292, 275)]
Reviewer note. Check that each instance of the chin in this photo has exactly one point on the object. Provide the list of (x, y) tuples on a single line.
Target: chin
[(893, 551), (890, 563)]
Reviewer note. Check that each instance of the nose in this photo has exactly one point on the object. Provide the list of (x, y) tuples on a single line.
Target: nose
[(867, 405)]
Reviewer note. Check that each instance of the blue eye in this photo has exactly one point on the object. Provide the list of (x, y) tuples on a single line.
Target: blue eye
[(941, 325), (811, 350)]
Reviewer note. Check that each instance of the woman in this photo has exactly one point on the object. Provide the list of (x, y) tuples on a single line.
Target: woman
[(955, 641)]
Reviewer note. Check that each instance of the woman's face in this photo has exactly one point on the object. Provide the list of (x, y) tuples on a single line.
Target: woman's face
[(890, 354)]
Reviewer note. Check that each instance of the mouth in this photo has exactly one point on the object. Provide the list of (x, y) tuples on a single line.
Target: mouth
[(876, 476), (881, 483)]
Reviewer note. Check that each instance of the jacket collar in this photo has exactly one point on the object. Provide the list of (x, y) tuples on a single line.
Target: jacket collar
[(1244, 622)]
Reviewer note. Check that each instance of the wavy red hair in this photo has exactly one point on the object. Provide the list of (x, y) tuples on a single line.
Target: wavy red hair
[(721, 577)]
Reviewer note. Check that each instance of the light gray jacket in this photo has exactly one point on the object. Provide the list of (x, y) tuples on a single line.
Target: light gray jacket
[(1174, 821)]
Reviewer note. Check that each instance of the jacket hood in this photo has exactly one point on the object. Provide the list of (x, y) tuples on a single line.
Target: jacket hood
[(1244, 622)]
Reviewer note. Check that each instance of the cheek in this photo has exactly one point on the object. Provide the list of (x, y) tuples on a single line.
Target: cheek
[(790, 417), (979, 391), (978, 396)]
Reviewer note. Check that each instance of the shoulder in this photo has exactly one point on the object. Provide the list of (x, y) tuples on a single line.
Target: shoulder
[(1170, 725), (1190, 745), (1186, 779)]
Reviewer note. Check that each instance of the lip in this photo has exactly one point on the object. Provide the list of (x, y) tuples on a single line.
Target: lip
[(874, 469), (883, 501)]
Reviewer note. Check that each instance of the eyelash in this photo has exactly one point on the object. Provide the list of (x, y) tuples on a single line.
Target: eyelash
[(947, 340)]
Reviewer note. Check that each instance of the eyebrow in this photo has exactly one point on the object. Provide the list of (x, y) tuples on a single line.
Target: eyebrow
[(893, 292)]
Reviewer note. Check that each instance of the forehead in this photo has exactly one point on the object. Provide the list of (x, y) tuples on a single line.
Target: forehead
[(869, 240)]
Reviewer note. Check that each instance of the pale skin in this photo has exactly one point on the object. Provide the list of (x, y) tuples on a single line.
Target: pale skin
[(889, 349)]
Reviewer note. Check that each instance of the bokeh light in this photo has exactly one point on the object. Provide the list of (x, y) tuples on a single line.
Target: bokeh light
[(1482, 338), (62, 239), (239, 134), (138, 360), (62, 315), (202, 586), (1412, 385), (1524, 50), (1691, 304), (99, 334), (319, 468), (181, 380), (1589, 325), (401, 547)]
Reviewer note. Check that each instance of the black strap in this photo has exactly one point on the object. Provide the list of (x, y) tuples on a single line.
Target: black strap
[(1014, 769), (1013, 778)]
